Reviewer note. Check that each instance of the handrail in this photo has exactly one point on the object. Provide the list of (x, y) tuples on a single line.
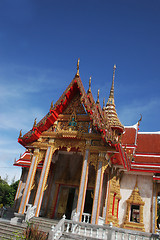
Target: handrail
[(91, 231), (30, 212)]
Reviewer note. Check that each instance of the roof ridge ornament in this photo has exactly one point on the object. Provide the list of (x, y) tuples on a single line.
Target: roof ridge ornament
[(51, 105), (97, 96), (104, 103), (77, 74), (35, 122), (89, 89), (140, 120), (20, 134)]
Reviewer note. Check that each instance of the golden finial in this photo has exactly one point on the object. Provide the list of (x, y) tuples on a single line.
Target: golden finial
[(35, 122), (103, 103), (51, 105), (89, 89), (97, 96), (136, 185), (77, 74), (20, 133), (112, 88), (140, 120)]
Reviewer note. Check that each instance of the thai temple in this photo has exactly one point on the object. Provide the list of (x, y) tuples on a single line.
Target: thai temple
[(80, 160)]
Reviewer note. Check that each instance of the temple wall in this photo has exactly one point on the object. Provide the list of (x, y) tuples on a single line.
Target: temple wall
[(145, 185)]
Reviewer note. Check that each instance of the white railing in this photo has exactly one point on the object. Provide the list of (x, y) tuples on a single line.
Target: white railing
[(57, 231), (29, 212), (86, 217), (73, 229)]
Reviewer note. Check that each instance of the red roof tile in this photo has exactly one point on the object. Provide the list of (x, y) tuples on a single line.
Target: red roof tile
[(129, 136), (148, 143)]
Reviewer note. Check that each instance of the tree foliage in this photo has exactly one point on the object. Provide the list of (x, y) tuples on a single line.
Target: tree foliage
[(7, 192)]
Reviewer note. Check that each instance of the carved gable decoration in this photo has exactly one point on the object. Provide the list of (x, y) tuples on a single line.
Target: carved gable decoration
[(73, 118), (75, 104)]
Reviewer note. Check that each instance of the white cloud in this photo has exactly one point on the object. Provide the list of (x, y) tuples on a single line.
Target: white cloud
[(19, 118), (130, 114)]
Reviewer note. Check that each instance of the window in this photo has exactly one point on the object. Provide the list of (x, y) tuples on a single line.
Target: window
[(134, 215)]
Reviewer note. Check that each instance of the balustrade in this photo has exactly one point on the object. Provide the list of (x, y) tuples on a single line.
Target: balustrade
[(90, 231), (86, 217)]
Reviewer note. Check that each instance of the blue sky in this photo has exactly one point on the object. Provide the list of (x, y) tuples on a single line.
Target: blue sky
[(40, 42)]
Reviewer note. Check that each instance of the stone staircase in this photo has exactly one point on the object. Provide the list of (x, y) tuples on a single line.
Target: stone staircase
[(44, 224), (9, 231)]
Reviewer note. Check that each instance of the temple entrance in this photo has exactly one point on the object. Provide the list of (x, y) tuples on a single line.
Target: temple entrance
[(70, 203), (67, 202), (88, 203)]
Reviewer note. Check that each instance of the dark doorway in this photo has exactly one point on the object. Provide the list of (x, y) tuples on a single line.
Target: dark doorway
[(70, 203), (88, 202)]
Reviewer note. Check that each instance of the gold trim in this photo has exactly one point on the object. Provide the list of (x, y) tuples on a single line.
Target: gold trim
[(135, 199)]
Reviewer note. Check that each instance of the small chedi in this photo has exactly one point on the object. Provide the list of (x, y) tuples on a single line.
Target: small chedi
[(80, 159)]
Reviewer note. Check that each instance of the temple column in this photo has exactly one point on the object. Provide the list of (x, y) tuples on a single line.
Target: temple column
[(43, 180), (106, 199), (98, 188), (83, 185), (154, 210), (18, 190), (29, 181)]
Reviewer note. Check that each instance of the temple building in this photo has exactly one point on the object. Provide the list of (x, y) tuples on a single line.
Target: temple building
[(80, 160)]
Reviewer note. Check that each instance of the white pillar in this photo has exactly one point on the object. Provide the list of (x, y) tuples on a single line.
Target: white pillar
[(43, 180), (29, 181), (154, 208), (83, 185), (97, 193)]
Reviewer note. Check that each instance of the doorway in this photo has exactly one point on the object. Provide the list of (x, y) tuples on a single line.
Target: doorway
[(66, 202), (88, 203)]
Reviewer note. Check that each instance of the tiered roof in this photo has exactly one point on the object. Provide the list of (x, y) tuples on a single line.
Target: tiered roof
[(104, 123), (144, 149), (136, 151)]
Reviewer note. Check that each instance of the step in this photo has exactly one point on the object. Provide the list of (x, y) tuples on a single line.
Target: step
[(44, 224), (8, 231), (46, 220)]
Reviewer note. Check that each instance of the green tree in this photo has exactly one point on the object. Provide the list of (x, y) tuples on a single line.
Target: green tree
[(7, 192)]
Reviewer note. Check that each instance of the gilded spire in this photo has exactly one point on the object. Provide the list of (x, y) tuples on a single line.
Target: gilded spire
[(89, 89), (97, 96), (103, 103), (110, 109), (77, 74), (111, 96)]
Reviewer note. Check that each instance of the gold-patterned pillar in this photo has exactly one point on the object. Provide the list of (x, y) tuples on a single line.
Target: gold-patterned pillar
[(83, 184), (110, 207), (29, 181), (154, 208), (116, 206), (113, 201), (43, 179)]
